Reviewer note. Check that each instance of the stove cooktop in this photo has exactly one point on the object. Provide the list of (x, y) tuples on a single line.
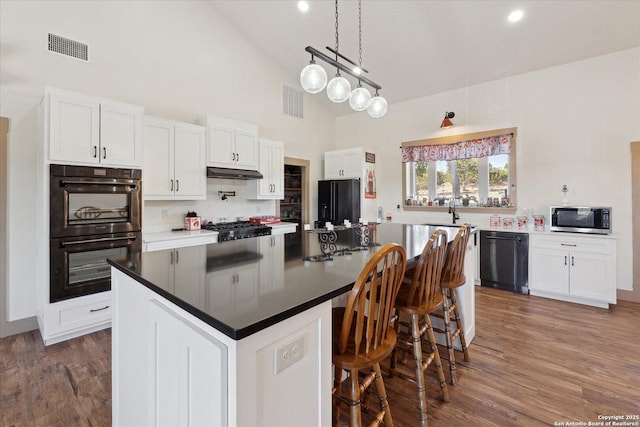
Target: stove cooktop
[(238, 230)]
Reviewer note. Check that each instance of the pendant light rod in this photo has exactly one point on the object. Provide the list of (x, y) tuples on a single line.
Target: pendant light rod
[(345, 58), (316, 53)]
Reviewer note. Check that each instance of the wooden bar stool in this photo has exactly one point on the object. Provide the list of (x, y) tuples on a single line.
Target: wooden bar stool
[(420, 295), (362, 335), (452, 278)]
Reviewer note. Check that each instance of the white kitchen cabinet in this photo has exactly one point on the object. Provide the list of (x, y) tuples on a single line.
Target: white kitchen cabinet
[(573, 268), (82, 129), (272, 265), (271, 154), (283, 228), (231, 144), (344, 164), (171, 368), (174, 160)]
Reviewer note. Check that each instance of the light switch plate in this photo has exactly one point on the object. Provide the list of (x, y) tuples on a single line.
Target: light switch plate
[(288, 354)]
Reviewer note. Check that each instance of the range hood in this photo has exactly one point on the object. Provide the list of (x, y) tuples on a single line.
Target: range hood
[(227, 173)]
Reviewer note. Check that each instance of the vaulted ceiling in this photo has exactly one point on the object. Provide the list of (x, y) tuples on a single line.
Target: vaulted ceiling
[(418, 48)]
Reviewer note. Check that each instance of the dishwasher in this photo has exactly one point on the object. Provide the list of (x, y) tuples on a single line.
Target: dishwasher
[(504, 260)]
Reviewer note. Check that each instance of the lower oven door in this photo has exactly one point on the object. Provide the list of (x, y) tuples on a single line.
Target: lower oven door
[(79, 264)]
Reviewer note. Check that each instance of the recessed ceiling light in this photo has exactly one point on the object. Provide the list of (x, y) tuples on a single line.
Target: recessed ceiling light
[(515, 16), (303, 6)]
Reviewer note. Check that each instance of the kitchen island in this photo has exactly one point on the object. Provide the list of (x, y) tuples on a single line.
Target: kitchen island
[(243, 336)]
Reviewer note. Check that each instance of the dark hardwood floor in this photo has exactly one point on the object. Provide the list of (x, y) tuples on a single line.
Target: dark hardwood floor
[(534, 362)]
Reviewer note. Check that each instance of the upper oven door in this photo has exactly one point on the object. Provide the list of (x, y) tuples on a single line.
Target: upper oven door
[(87, 205)]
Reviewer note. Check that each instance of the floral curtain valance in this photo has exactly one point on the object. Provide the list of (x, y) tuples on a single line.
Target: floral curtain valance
[(472, 148)]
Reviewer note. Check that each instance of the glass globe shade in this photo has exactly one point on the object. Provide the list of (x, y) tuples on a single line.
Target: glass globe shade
[(338, 89), (313, 78), (359, 98), (377, 107)]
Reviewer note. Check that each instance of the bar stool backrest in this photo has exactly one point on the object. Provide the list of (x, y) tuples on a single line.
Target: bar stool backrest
[(425, 285), (454, 262), (365, 325)]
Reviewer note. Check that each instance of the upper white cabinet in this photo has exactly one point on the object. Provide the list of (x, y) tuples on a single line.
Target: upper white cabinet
[(344, 164), (573, 268), (231, 144), (271, 156), (174, 160), (82, 129)]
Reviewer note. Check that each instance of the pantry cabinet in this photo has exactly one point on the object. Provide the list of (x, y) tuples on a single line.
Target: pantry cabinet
[(81, 129), (174, 160), (271, 155), (573, 268), (344, 164), (231, 144)]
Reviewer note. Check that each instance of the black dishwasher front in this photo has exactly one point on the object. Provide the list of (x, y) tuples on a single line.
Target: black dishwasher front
[(504, 260)]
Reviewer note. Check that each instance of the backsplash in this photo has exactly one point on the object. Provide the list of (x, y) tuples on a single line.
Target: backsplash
[(163, 215)]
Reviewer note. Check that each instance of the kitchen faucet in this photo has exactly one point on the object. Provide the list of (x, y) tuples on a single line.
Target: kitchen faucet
[(452, 211)]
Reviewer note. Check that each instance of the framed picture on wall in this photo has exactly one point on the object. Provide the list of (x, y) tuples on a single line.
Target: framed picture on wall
[(370, 183)]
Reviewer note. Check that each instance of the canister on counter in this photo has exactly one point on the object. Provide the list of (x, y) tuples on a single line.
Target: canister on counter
[(523, 222), (507, 223), (538, 222), (494, 221)]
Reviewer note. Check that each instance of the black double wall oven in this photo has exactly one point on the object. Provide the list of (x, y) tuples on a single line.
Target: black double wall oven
[(95, 214)]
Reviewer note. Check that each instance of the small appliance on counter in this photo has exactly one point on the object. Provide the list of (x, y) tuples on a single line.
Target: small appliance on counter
[(580, 219), (192, 221)]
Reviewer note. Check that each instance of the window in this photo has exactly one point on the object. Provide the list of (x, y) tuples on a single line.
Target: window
[(474, 170)]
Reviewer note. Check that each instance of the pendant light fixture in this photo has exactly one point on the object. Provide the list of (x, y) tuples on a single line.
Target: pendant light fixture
[(313, 77), (338, 88), (360, 97)]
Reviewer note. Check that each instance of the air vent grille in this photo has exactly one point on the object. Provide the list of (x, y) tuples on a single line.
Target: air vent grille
[(67, 47), (292, 102)]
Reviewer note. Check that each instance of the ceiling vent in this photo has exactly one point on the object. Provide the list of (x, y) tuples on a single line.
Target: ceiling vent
[(67, 47), (292, 102)]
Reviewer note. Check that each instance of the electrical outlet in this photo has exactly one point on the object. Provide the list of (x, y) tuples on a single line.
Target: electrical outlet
[(288, 354)]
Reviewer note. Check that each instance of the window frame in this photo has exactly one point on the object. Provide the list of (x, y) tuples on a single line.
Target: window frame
[(452, 139)]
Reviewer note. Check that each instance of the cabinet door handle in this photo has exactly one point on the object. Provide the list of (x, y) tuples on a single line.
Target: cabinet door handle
[(572, 261), (171, 257), (567, 244), (237, 157), (95, 151), (104, 152), (93, 310), (177, 257), (233, 156), (177, 185), (171, 186), (565, 260)]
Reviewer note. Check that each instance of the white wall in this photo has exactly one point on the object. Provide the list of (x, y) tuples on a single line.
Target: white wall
[(575, 124), (178, 59)]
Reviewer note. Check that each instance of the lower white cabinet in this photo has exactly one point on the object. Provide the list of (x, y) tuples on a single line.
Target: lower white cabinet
[(573, 268), (74, 317), (170, 368)]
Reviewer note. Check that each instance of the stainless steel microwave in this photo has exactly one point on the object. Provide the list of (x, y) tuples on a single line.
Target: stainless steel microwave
[(580, 219)]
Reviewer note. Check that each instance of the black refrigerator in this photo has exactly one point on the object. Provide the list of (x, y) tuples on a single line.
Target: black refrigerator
[(338, 199)]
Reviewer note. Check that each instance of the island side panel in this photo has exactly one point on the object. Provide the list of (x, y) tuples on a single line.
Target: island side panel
[(299, 392)]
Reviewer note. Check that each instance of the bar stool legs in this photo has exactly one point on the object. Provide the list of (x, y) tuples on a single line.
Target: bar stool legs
[(450, 311)]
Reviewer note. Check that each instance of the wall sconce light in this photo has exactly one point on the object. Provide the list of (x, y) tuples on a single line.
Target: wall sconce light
[(446, 123)]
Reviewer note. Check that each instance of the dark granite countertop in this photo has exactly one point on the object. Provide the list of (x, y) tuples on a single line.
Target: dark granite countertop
[(241, 287)]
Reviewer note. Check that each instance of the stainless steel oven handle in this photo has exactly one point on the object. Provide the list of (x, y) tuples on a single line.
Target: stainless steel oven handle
[(104, 239), (131, 184)]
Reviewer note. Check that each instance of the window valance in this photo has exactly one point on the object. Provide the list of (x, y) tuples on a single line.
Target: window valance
[(471, 148)]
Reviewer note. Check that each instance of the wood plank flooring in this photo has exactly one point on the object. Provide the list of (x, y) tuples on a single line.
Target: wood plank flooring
[(534, 362)]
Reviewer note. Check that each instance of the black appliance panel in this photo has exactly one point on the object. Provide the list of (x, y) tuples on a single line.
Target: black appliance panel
[(90, 200), (338, 200), (504, 260), (79, 264)]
